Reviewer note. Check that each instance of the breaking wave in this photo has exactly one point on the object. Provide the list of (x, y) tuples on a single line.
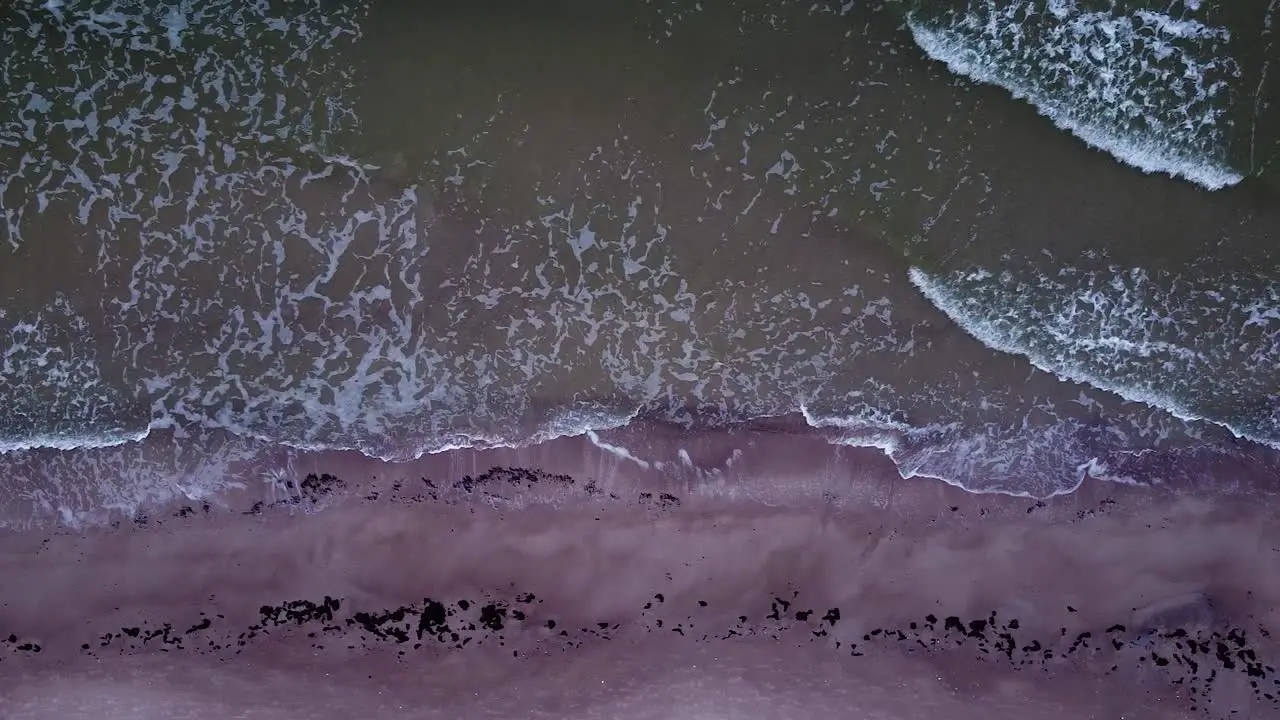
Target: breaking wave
[(1152, 88), (1203, 349)]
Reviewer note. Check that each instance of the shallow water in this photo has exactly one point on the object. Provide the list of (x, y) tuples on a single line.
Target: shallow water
[(312, 241)]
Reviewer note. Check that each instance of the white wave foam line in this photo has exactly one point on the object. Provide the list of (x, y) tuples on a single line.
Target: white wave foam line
[(618, 450), (887, 437), (990, 335), (71, 442), (1147, 150), (568, 423)]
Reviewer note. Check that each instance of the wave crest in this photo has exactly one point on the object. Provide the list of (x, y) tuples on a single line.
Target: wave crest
[(1150, 89)]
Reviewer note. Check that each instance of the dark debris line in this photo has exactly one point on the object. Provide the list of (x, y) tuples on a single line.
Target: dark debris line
[(1196, 660)]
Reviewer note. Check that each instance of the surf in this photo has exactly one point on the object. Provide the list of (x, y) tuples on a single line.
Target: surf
[(1152, 90)]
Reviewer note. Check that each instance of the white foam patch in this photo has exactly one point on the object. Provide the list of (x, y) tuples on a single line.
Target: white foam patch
[(1148, 88), (53, 389), (249, 76)]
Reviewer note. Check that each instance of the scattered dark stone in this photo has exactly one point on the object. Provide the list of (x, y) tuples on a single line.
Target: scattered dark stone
[(1236, 636), (1080, 640), (1194, 658), (311, 489), (512, 476), (434, 619), (493, 616)]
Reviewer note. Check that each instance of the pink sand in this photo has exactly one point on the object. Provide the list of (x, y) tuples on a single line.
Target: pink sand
[(786, 517)]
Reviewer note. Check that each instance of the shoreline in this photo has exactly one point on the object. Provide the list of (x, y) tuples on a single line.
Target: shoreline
[(735, 519), (76, 489)]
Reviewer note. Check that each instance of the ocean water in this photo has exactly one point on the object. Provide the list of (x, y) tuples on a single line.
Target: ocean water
[(1009, 244)]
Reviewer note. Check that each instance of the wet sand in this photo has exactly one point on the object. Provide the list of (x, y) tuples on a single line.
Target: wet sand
[(732, 574)]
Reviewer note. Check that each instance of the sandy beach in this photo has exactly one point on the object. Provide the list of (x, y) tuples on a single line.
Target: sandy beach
[(648, 573)]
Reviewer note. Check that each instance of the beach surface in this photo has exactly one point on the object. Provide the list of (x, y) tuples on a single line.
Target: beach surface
[(749, 573)]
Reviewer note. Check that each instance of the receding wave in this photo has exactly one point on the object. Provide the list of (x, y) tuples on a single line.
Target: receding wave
[(1150, 88)]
